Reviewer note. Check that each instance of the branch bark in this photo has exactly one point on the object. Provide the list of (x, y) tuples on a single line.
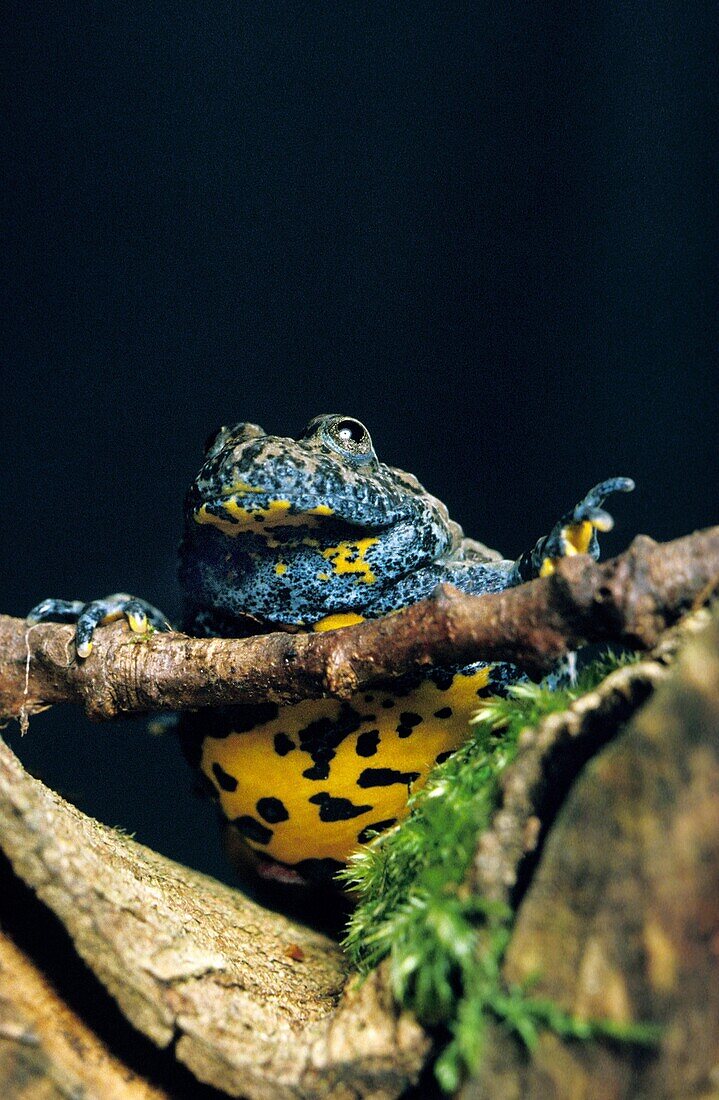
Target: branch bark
[(252, 1003), (630, 599)]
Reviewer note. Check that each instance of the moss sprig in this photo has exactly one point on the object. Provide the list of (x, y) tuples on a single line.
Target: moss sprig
[(445, 945)]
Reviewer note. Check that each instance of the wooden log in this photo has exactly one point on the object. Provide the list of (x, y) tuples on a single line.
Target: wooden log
[(47, 1051), (621, 921), (253, 1003)]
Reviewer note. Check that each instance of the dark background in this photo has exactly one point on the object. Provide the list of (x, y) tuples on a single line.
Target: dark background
[(488, 231)]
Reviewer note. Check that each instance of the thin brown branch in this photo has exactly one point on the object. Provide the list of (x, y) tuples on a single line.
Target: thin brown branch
[(630, 599)]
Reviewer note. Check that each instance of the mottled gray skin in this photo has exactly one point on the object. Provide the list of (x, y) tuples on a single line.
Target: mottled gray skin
[(417, 545)]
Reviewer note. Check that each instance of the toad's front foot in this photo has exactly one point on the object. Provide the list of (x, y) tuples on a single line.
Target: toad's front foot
[(139, 613), (575, 533)]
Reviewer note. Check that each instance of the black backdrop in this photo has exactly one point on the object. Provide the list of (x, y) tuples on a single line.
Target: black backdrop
[(488, 231)]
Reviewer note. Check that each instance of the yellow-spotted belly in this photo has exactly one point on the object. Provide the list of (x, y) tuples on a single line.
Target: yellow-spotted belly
[(318, 779)]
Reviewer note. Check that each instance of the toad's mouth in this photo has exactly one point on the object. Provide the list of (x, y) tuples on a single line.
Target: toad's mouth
[(341, 547), (277, 520)]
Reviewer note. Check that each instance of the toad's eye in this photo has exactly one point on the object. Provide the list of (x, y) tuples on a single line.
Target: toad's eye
[(350, 436)]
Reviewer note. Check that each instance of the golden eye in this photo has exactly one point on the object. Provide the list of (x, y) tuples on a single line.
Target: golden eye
[(351, 436), (343, 434)]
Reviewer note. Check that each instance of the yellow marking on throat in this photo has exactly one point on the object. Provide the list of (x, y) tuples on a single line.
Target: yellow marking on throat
[(344, 558), (261, 520), (280, 569), (349, 557), (337, 621), (241, 487)]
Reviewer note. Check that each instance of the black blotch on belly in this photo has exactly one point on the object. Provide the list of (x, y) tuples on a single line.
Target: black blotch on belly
[(385, 777), (442, 678), (337, 809), (272, 810), (321, 737), (444, 756), (318, 870), (443, 712), (387, 703), (317, 771), (367, 743), (367, 833), (253, 829), (283, 744), (225, 781), (407, 721)]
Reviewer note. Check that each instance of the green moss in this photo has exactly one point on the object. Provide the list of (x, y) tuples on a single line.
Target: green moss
[(446, 946)]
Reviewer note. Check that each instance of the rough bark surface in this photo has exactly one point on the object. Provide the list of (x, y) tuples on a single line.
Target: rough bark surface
[(47, 1052), (630, 599), (254, 1004), (621, 920)]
